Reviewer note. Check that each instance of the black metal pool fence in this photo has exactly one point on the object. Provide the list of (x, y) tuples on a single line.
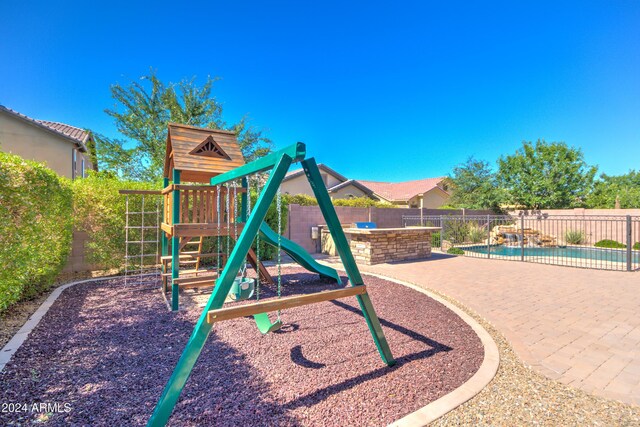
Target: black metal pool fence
[(603, 242)]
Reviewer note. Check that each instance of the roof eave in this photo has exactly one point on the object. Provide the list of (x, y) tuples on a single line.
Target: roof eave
[(33, 122)]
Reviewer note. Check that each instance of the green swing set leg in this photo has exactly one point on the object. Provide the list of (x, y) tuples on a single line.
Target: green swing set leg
[(329, 213), (175, 246), (202, 329)]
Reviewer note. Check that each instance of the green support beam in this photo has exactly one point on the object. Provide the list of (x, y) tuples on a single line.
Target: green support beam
[(202, 329), (295, 151), (175, 245), (333, 223)]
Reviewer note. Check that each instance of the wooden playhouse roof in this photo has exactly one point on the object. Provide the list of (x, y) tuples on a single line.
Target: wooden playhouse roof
[(200, 153)]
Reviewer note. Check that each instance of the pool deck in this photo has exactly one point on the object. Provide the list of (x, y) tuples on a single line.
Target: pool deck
[(578, 326)]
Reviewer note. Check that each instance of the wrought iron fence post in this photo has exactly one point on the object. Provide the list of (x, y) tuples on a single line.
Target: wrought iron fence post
[(441, 233), (629, 243), (488, 236), (522, 237)]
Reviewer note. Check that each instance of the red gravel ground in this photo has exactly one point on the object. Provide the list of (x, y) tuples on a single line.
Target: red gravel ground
[(107, 351)]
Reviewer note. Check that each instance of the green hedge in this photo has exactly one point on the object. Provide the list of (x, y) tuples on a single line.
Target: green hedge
[(99, 210), (35, 227), (356, 202)]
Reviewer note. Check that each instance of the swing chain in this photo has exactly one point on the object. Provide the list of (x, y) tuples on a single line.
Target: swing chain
[(218, 238), (257, 244), (228, 212), (279, 256)]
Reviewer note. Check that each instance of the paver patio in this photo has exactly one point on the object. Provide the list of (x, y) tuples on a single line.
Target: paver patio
[(578, 326)]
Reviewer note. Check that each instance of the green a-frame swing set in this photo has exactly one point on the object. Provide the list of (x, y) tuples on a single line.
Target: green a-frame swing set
[(278, 163)]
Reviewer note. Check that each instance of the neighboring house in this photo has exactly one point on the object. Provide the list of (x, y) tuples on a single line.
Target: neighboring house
[(427, 193), (61, 147)]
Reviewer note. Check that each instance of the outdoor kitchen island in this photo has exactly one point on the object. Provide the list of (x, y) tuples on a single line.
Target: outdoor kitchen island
[(379, 245)]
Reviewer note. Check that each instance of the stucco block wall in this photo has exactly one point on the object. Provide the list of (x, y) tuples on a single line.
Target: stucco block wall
[(77, 261), (302, 218)]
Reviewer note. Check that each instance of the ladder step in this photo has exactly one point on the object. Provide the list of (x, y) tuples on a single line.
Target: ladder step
[(282, 303)]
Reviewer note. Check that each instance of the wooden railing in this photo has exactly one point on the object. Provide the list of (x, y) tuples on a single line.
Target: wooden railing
[(201, 208)]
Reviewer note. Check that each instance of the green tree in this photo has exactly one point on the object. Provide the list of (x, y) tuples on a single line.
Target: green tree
[(141, 114), (546, 175), (625, 189), (474, 186)]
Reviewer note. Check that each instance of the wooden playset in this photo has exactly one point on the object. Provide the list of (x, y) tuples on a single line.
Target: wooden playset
[(216, 206)]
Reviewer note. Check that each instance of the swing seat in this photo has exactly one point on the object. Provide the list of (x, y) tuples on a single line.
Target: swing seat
[(264, 323), (242, 288)]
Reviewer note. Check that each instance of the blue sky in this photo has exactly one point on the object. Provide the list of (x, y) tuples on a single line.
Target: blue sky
[(381, 91)]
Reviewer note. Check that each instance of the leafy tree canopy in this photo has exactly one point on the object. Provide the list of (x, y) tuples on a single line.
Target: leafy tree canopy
[(546, 175), (474, 186), (616, 191), (141, 113)]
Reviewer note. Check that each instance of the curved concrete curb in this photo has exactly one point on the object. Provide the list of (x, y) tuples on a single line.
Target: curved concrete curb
[(421, 417), (23, 333), (466, 391)]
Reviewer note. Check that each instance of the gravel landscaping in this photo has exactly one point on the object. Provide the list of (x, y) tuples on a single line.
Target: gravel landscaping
[(107, 350)]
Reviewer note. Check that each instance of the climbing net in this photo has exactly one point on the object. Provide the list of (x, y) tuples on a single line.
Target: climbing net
[(141, 236)]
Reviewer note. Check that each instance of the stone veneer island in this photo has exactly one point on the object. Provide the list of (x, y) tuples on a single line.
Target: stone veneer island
[(379, 245)]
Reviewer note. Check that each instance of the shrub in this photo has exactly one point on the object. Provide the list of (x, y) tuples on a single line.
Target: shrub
[(299, 199), (35, 227), (606, 243), (435, 239), (361, 202), (455, 251), (455, 230), (476, 233), (574, 237), (636, 246)]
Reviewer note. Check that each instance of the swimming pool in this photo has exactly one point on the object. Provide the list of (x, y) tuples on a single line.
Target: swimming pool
[(610, 255)]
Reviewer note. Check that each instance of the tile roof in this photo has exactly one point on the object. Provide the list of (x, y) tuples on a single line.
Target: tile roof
[(402, 191), (77, 135)]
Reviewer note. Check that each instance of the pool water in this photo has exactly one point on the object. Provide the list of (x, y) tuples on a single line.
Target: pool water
[(612, 255)]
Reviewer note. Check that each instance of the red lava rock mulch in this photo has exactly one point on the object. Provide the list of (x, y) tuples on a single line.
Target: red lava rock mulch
[(106, 351)]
